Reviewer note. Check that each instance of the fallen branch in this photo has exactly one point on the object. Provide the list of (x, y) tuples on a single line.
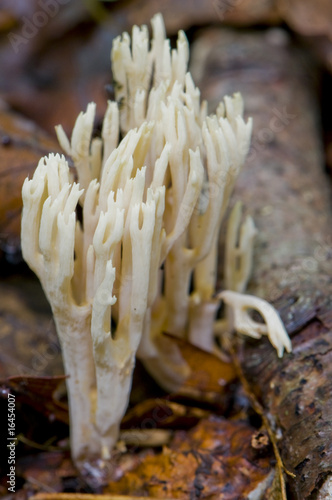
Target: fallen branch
[(285, 190)]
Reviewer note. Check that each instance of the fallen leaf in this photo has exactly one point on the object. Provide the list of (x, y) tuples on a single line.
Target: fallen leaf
[(42, 393), (210, 376), (162, 414), (22, 144), (50, 471), (214, 460)]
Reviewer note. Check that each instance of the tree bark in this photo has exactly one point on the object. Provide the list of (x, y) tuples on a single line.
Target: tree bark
[(284, 187)]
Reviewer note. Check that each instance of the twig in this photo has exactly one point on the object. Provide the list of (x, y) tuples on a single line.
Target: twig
[(146, 437), (260, 411), (38, 446)]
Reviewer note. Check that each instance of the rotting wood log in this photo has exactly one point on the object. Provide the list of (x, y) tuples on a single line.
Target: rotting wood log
[(284, 187)]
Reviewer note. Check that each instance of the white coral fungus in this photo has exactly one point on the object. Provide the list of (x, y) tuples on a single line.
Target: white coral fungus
[(143, 254)]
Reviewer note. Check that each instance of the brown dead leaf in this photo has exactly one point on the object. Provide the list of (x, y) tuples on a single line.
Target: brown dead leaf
[(210, 376), (214, 460), (47, 471), (46, 86), (22, 144), (7, 20), (42, 393), (162, 414)]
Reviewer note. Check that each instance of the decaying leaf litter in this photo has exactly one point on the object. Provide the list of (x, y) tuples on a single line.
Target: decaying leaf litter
[(283, 133)]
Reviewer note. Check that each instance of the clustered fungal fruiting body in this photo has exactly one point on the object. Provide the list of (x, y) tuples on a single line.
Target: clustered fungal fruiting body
[(153, 191)]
